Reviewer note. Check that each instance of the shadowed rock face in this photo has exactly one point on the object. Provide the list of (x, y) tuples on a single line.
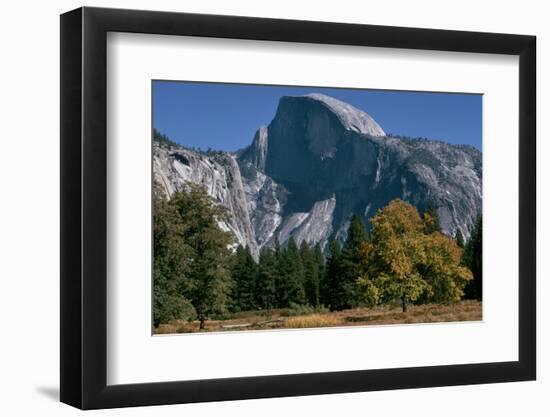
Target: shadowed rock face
[(318, 162)]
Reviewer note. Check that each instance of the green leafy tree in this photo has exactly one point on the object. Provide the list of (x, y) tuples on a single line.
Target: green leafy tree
[(473, 259), (266, 296), (170, 270), (208, 261)]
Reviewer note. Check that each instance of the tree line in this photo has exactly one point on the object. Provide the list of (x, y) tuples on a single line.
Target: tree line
[(403, 257)]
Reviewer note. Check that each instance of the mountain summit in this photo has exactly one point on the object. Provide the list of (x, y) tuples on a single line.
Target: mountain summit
[(318, 162), (351, 117)]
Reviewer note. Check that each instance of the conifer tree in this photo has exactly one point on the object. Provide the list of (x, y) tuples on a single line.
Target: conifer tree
[(311, 274), (357, 233), (162, 139), (244, 272), (473, 259), (321, 268), (292, 274), (265, 283), (332, 275), (345, 292), (281, 289)]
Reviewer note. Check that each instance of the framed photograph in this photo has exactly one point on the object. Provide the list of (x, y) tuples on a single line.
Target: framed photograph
[(259, 208)]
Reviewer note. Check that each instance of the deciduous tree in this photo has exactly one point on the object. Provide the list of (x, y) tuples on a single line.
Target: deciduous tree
[(403, 261), (431, 219), (441, 268), (170, 270), (208, 262)]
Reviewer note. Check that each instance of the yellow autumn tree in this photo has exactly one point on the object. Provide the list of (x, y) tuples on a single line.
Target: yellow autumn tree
[(441, 269), (401, 261)]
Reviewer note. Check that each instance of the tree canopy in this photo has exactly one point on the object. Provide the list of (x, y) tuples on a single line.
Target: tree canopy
[(191, 256), (170, 266), (244, 271), (431, 219), (405, 260), (344, 286)]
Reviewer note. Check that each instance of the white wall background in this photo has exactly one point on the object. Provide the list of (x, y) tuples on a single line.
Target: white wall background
[(29, 215)]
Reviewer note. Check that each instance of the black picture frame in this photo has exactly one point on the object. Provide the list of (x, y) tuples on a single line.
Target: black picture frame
[(84, 207)]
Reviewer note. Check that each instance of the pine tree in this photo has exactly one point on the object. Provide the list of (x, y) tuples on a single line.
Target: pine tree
[(319, 259), (265, 283), (473, 259), (345, 293), (357, 233), (244, 272), (162, 139), (281, 289), (292, 274), (311, 274), (332, 275)]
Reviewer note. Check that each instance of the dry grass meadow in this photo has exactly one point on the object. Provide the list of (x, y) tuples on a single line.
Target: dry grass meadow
[(288, 319)]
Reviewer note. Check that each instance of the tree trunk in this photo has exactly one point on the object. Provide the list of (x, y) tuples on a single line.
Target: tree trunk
[(201, 323), (404, 304)]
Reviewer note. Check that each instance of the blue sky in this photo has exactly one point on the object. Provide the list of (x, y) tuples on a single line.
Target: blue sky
[(226, 116)]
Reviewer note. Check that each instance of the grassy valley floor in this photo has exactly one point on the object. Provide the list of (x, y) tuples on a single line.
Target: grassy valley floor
[(292, 319)]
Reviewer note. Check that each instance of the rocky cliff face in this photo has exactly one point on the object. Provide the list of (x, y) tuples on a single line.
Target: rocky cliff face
[(220, 175), (319, 161)]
